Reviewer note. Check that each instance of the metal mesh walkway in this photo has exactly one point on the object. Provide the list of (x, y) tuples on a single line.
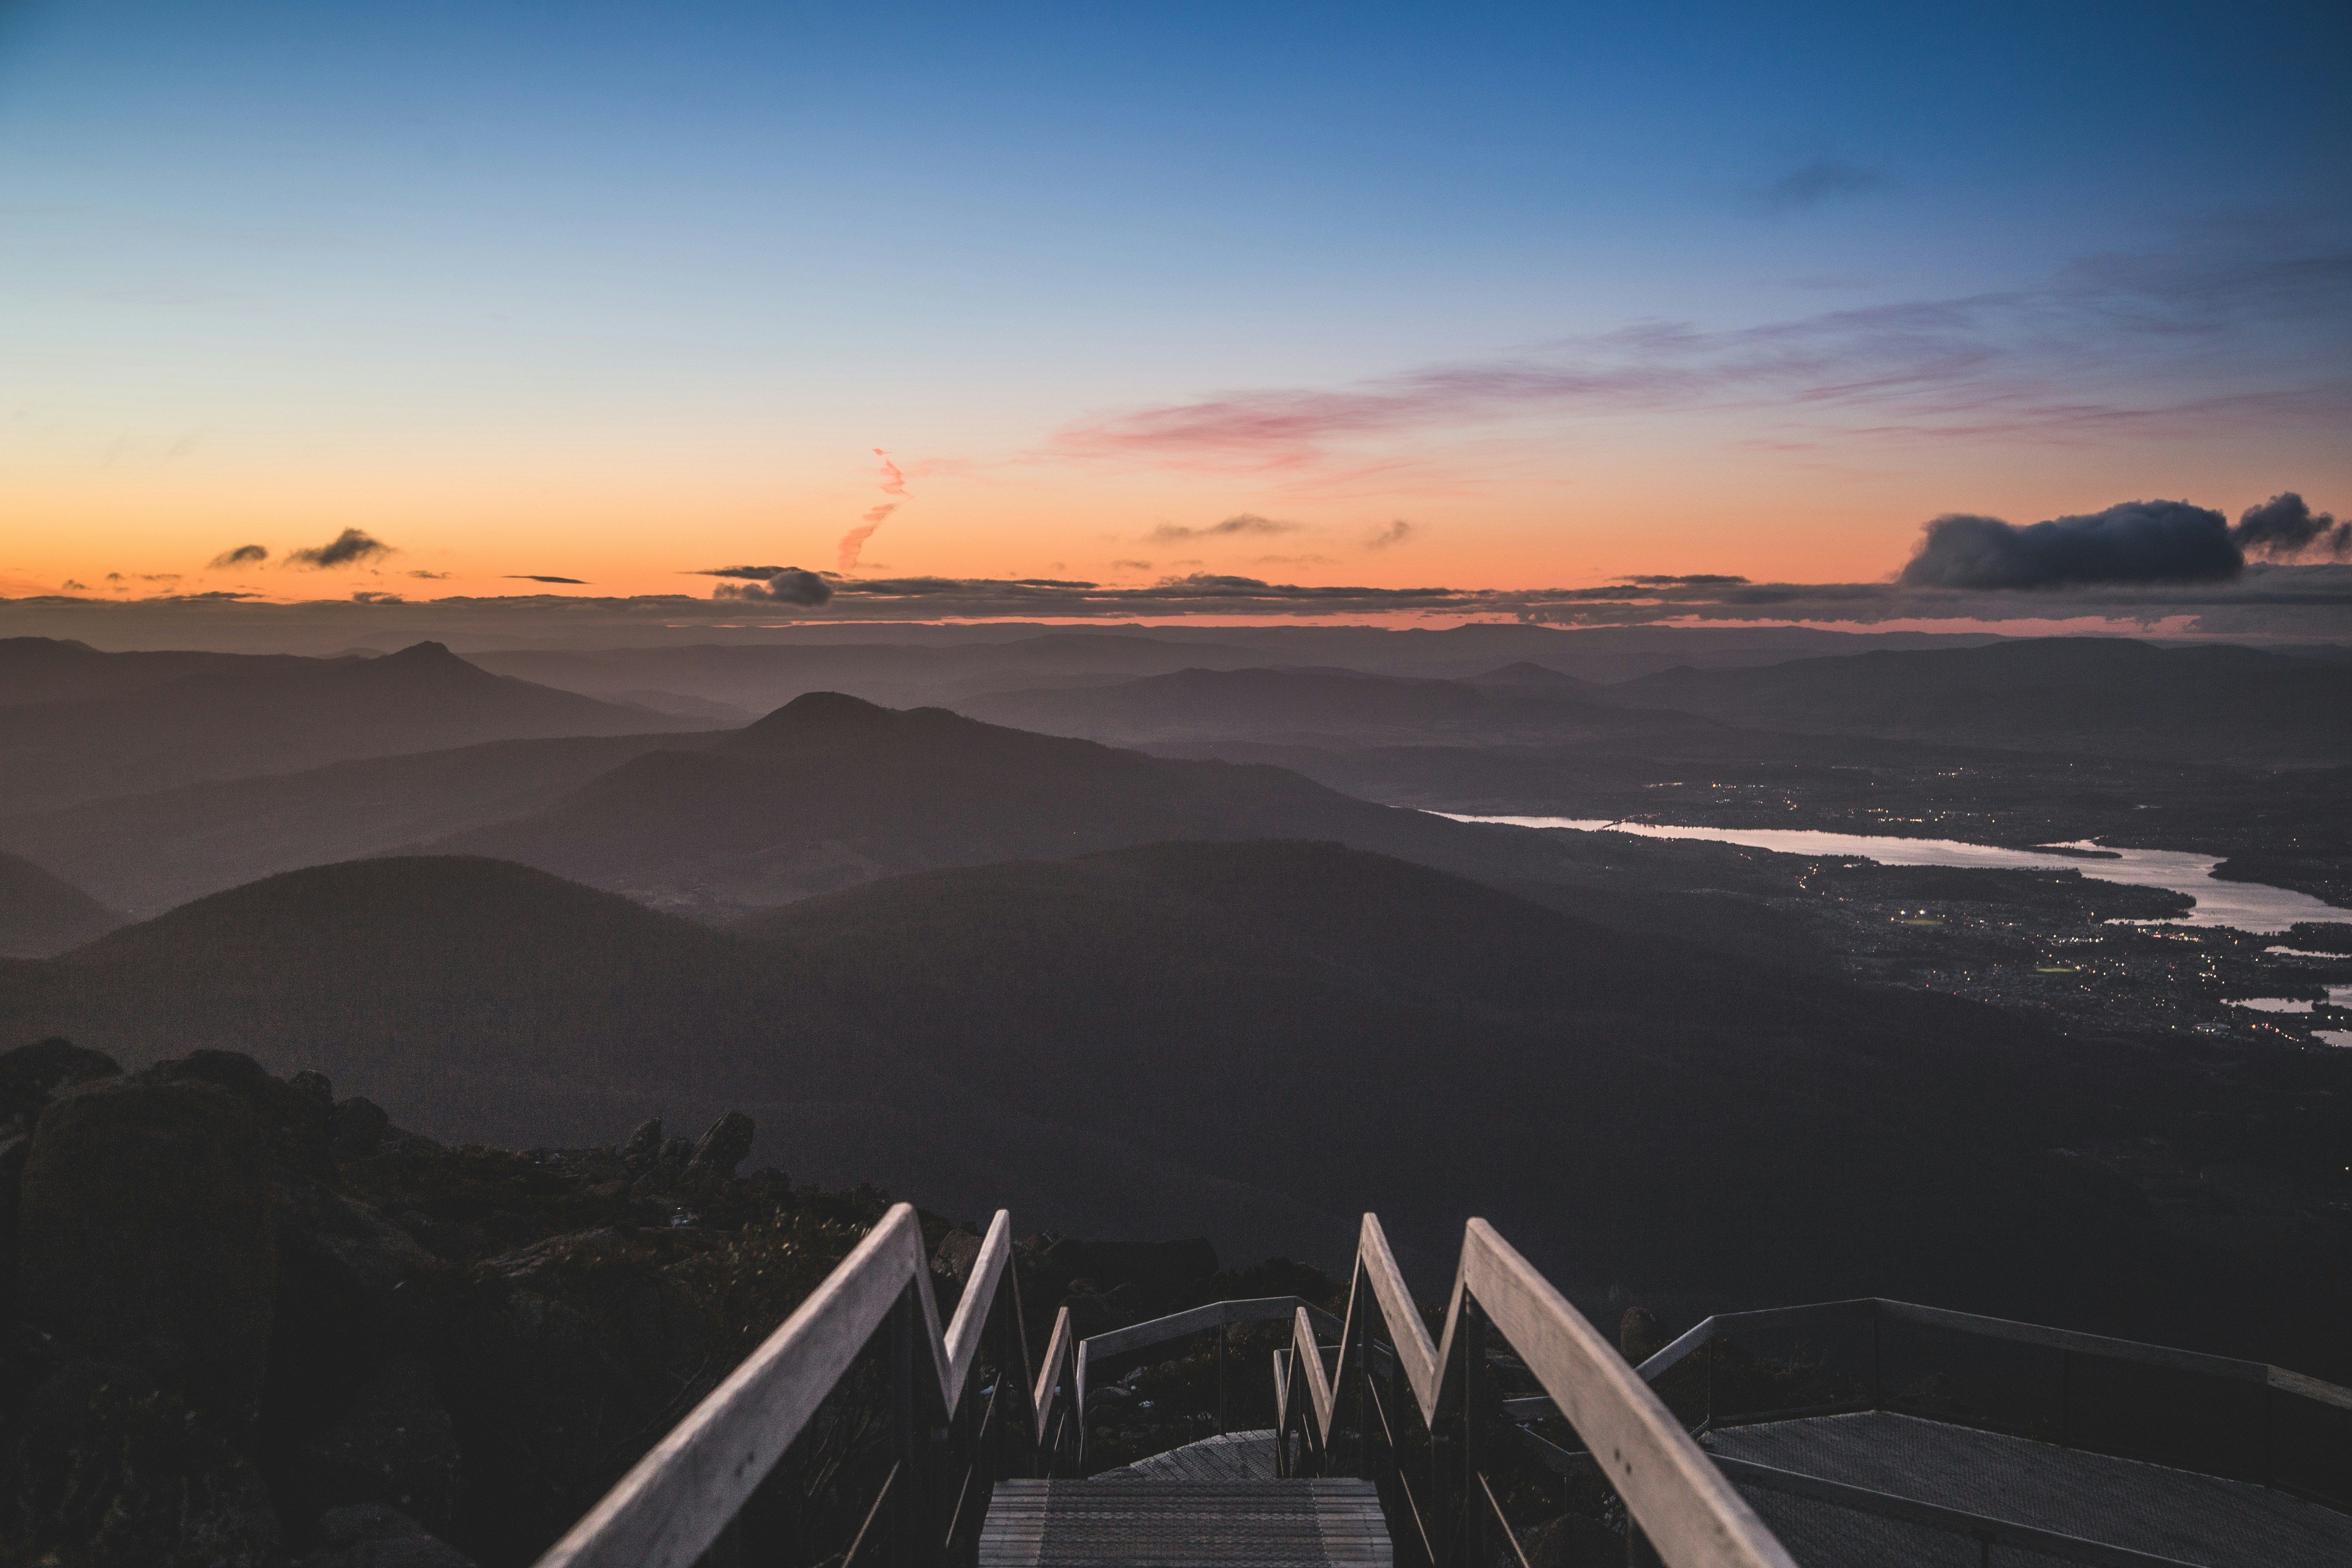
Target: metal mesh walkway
[(2155, 1509), (1133, 1522)]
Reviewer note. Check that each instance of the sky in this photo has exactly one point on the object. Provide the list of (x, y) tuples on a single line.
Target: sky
[(592, 301)]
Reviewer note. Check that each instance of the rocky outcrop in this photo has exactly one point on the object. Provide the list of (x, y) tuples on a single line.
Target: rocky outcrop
[(144, 1213), (396, 1443), (725, 1146)]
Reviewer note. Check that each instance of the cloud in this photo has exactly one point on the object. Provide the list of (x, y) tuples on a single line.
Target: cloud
[(761, 573), (429, 576), (2107, 344), (2284, 528), (1245, 523), (1823, 179), (73, 587), (1396, 532), (349, 548), (1131, 565), (1686, 580), (2138, 542), (369, 596), (894, 483), (243, 555), (786, 585), (529, 577), (853, 543)]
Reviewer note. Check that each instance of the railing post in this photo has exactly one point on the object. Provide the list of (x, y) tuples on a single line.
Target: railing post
[(1474, 1415), (908, 1524), (1877, 1391), (1224, 1398)]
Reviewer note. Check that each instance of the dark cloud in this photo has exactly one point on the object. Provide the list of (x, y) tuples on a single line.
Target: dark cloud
[(785, 585), (1823, 179), (1686, 580), (349, 548), (429, 576), (756, 574), (369, 597), (2138, 542), (243, 555), (1396, 532), (1247, 522), (532, 577), (2284, 527)]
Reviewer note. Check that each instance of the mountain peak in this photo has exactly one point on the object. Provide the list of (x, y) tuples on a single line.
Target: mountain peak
[(419, 654), (816, 714)]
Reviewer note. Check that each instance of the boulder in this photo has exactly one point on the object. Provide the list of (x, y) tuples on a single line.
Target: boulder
[(644, 1145), (957, 1252), (294, 1121), (107, 1467), (30, 1076), (358, 1128), (370, 1535), (724, 1147), (145, 1211), (352, 1291), (396, 1446)]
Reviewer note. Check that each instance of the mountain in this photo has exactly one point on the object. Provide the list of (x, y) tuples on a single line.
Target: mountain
[(60, 669), (1256, 1040), (829, 791), (2103, 695), (262, 715), (145, 853), (1333, 705), (758, 678), (41, 913)]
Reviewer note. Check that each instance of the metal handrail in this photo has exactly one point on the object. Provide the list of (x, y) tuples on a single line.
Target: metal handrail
[(678, 1499), (1100, 1347), (2228, 1368), (686, 1494), (1691, 1516)]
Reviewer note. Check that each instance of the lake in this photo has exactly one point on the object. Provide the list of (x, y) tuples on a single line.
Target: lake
[(2241, 906)]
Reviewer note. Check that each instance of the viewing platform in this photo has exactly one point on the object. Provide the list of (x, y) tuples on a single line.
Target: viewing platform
[(1843, 1434)]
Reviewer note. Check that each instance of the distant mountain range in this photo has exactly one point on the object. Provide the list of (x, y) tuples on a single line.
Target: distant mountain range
[(1256, 1039), (41, 913), (2104, 695), (937, 666), (214, 716), (147, 853), (1520, 703)]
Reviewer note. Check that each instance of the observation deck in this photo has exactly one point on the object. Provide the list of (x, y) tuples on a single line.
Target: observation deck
[(1833, 1435)]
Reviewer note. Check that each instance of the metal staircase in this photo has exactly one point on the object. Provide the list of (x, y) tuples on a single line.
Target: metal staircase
[(1390, 1445)]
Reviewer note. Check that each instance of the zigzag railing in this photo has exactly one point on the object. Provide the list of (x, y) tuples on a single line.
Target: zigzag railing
[(1689, 1514), (682, 1502)]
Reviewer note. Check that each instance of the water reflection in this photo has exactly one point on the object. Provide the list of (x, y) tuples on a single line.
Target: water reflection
[(2241, 906)]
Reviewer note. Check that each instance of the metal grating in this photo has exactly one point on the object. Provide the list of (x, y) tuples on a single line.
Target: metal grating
[(2154, 1509)]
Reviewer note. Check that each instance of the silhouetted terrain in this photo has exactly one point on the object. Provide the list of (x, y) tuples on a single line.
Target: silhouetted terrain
[(921, 666), (2094, 695), (55, 669), (1252, 1040), (829, 791), (267, 715), (1335, 705), (41, 913), (145, 853), (895, 674)]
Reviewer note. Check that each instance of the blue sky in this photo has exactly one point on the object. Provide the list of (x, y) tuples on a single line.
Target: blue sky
[(329, 252)]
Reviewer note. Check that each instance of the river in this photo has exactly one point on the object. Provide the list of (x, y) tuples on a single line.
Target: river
[(2253, 907)]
